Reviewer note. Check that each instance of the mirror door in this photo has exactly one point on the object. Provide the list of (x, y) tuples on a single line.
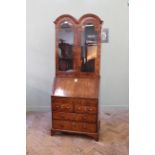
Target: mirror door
[(88, 48), (65, 47)]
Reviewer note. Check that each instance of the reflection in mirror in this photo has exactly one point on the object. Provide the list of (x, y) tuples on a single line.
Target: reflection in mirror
[(66, 38), (88, 48)]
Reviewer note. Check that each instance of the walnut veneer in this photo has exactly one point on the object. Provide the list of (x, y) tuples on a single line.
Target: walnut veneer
[(75, 94)]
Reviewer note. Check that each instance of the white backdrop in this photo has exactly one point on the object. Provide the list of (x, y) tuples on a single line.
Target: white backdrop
[(41, 49)]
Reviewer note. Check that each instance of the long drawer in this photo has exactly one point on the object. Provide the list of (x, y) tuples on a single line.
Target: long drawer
[(74, 117), (74, 126)]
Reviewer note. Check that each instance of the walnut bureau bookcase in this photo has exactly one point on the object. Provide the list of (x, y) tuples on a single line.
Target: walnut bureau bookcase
[(75, 93)]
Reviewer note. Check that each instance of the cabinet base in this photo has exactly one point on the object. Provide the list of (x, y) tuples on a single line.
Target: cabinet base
[(92, 135)]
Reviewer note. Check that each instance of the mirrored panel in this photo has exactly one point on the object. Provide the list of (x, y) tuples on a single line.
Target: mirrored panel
[(66, 39), (88, 48)]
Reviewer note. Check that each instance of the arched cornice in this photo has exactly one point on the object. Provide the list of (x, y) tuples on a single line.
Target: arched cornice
[(85, 16)]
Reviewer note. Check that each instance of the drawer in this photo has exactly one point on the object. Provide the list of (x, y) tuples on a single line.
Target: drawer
[(74, 126), (65, 107), (85, 109), (74, 117)]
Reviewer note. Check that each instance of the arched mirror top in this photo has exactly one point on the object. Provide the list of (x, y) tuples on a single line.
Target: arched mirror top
[(64, 19), (90, 19), (65, 26)]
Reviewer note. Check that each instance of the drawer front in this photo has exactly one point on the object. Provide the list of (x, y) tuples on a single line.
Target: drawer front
[(74, 117), (66, 107), (85, 109), (74, 126)]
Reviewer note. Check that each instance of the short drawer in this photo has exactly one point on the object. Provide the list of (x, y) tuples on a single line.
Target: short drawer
[(65, 107), (74, 117), (74, 126), (85, 109)]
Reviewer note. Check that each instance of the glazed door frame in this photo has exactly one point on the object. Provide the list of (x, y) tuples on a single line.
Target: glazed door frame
[(78, 28), (58, 23)]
